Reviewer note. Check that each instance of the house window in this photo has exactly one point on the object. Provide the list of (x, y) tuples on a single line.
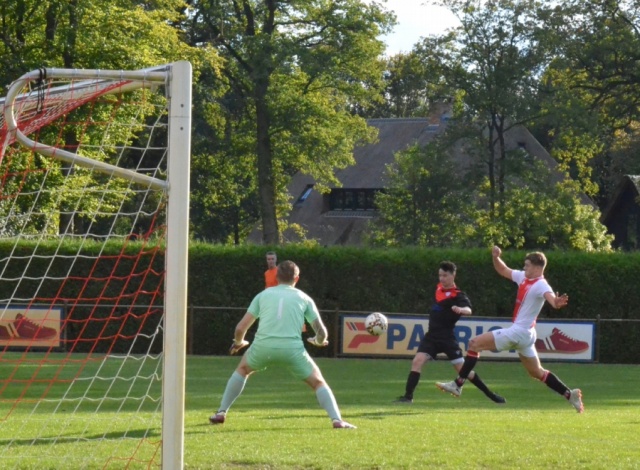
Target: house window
[(346, 199), (305, 194)]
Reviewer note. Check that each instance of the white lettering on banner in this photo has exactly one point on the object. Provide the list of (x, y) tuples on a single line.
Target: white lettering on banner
[(556, 339)]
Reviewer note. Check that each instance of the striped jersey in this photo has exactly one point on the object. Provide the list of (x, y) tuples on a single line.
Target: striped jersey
[(529, 300)]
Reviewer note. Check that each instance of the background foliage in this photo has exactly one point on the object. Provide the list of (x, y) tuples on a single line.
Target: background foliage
[(355, 279), (286, 86)]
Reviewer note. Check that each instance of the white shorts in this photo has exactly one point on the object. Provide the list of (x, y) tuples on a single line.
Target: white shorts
[(521, 340)]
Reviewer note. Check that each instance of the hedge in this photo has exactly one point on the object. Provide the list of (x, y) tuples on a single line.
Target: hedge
[(600, 285), (403, 280)]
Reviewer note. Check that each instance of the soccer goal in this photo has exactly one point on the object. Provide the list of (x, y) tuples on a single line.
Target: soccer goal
[(94, 204)]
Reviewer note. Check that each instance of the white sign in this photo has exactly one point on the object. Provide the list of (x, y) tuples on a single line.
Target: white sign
[(563, 340)]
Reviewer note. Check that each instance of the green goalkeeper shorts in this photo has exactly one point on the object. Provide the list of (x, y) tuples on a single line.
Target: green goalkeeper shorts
[(296, 360)]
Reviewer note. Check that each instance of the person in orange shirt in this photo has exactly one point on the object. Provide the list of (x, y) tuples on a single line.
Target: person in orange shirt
[(270, 274)]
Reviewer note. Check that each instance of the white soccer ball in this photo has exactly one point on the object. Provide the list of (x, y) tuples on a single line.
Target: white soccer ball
[(376, 323)]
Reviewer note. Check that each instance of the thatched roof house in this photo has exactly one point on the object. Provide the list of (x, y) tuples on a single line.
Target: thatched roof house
[(341, 216)]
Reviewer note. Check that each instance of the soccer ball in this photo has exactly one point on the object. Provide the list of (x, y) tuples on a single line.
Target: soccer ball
[(376, 323)]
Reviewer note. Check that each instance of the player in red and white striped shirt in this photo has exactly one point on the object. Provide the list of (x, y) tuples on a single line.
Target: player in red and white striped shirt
[(533, 291)]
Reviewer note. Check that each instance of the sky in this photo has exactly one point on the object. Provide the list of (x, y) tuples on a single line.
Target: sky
[(416, 19)]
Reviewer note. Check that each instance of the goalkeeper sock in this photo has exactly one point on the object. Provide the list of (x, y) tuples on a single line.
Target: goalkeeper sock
[(328, 402), (555, 384), (412, 383), (469, 363), (234, 388)]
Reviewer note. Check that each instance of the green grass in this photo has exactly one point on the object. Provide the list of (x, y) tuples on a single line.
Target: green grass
[(277, 424)]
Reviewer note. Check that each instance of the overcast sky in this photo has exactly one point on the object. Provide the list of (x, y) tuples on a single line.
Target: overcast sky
[(416, 19)]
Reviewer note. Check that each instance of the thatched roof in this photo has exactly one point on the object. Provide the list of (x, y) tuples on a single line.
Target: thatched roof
[(394, 135), (333, 228)]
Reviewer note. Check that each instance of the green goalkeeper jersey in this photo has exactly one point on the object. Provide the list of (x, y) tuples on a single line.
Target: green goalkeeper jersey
[(282, 311)]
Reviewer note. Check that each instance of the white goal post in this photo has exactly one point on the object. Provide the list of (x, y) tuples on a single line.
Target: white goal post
[(94, 190)]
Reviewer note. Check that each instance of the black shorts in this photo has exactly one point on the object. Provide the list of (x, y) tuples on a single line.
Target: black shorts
[(434, 346)]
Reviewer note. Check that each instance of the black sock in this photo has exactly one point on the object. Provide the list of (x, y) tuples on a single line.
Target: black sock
[(555, 384), (477, 381), (412, 383), (469, 363)]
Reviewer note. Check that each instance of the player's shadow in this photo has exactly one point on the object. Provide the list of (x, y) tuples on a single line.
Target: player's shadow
[(43, 440), (383, 414)]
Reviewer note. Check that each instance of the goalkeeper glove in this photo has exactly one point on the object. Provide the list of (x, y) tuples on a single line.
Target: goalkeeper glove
[(314, 341), (235, 348)]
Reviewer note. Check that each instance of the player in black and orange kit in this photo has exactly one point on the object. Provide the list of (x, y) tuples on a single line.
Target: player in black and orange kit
[(450, 304)]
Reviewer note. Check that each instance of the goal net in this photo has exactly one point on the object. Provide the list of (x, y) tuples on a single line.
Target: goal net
[(94, 199)]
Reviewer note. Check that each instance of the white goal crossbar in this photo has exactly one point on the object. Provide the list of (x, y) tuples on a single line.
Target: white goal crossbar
[(104, 81)]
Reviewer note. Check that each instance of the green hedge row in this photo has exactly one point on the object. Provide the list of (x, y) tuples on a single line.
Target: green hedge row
[(403, 280), (339, 279), (599, 285)]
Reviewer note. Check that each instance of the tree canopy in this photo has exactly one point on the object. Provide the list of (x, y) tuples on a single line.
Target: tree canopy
[(589, 92), (286, 86), (492, 66), (92, 35), (294, 69)]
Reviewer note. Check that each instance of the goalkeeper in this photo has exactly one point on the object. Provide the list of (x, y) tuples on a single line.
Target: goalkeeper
[(282, 311)]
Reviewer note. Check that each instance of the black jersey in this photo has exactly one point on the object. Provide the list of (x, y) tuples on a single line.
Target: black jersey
[(442, 320)]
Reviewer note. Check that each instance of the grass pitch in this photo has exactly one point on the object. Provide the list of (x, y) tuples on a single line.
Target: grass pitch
[(277, 423)]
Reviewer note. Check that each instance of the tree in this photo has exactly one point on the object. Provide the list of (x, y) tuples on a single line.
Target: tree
[(600, 42), (297, 68), (114, 34), (590, 92), (426, 202), (223, 187), (493, 62), (540, 214), (99, 34), (411, 88), (431, 200)]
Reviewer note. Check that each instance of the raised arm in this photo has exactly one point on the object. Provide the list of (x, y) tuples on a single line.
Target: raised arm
[(556, 301), (499, 265)]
